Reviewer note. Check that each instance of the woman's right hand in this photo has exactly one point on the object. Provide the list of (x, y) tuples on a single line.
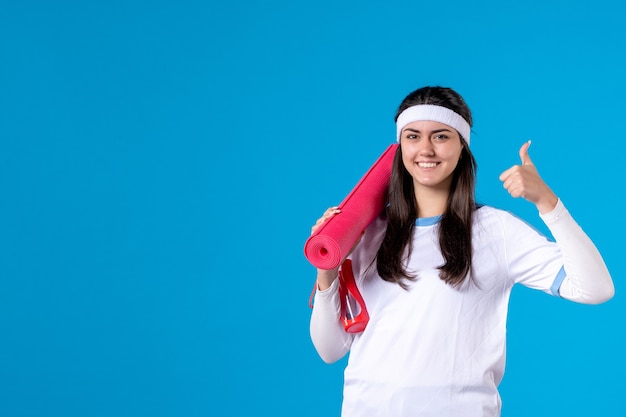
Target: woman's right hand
[(326, 277), (330, 212)]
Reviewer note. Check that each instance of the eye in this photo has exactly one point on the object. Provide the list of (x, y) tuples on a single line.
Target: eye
[(441, 137), (411, 136)]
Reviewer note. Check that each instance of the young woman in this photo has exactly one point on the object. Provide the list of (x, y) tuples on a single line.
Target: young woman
[(436, 270)]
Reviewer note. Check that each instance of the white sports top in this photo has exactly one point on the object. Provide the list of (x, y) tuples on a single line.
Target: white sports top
[(434, 350)]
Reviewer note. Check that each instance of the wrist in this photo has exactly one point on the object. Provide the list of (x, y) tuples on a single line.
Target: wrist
[(547, 204), (325, 278)]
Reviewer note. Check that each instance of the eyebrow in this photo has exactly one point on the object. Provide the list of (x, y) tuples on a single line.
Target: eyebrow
[(433, 131)]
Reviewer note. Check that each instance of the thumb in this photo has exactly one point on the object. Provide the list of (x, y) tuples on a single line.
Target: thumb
[(523, 154)]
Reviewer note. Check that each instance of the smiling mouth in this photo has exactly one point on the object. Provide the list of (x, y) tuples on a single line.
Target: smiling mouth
[(427, 164)]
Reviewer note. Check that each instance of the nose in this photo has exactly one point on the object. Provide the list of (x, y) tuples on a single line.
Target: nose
[(426, 148)]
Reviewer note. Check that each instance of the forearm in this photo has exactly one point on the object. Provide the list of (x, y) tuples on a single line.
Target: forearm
[(325, 278), (587, 280), (327, 333)]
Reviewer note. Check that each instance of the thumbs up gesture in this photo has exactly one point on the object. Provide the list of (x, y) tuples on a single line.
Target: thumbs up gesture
[(524, 181)]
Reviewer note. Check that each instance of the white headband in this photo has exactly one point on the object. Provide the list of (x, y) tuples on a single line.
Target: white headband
[(433, 113)]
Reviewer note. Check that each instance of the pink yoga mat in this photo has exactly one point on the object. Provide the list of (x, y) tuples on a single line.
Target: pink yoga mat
[(330, 244)]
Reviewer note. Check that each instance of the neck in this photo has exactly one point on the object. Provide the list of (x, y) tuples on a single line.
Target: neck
[(431, 201)]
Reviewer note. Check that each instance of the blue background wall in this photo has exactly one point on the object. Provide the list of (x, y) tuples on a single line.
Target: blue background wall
[(161, 164)]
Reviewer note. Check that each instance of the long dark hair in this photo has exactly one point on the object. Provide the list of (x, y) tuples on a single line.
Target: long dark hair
[(455, 226)]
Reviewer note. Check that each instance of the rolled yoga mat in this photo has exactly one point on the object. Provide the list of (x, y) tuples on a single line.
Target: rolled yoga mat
[(330, 244)]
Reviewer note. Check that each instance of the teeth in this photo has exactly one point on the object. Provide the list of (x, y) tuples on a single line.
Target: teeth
[(427, 164)]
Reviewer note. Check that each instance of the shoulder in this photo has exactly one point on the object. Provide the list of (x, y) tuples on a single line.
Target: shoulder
[(492, 220), (375, 231), (485, 212), (484, 209), (368, 246), (489, 217)]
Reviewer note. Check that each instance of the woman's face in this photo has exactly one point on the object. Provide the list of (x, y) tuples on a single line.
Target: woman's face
[(430, 153)]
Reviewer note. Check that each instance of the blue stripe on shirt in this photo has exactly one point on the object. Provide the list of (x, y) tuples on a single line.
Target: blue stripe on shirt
[(554, 289)]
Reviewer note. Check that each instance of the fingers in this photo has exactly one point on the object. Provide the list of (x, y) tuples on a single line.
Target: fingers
[(524, 181), (515, 179), (519, 179), (514, 182), (330, 212), (523, 154), (506, 174), (515, 170)]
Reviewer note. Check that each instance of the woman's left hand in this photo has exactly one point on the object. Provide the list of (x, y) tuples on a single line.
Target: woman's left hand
[(524, 181)]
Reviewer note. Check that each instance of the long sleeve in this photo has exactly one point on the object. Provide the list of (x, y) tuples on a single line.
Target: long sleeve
[(587, 279), (330, 339)]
